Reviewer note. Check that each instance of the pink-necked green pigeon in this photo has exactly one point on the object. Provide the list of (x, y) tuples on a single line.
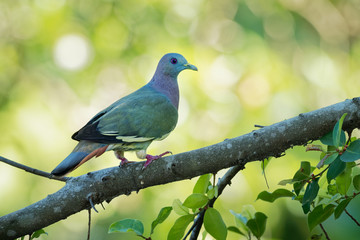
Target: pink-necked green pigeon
[(134, 121)]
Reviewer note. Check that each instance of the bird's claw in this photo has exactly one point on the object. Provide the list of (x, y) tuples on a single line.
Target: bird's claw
[(124, 161), (150, 158), (167, 152)]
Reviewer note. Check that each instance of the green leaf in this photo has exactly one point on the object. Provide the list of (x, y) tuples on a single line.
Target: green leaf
[(127, 225), (204, 234), (202, 184), (214, 224), (299, 198), (285, 182), (179, 208), (178, 229), (37, 234), (298, 186), (271, 197), (196, 200), (316, 237), (248, 211), (339, 135), (335, 169), (319, 214), (352, 153), (264, 163), (336, 137), (212, 192), (240, 220), (356, 182), (327, 139), (331, 158), (235, 230), (257, 225), (304, 172), (342, 138), (343, 181), (163, 214), (332, 190), (311, 192), (331, 149), (300, 176), (322, 155), (333, 199), (352, 139), (341, 207)]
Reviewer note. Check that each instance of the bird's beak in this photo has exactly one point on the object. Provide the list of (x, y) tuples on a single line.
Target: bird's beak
[(190, 66)]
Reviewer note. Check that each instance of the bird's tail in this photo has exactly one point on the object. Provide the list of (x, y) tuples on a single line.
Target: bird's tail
[(84, 151)]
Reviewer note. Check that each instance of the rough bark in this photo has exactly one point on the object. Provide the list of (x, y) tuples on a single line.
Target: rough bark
[(109, 183)]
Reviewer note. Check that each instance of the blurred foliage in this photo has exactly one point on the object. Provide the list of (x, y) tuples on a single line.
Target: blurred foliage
[(259, 62)]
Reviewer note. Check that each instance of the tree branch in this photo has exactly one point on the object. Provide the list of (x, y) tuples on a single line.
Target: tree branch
[(32, 170), (223, 182), (352, 218), (109, 183)]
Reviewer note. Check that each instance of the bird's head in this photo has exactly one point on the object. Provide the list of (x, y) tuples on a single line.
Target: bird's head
[(172, 64)]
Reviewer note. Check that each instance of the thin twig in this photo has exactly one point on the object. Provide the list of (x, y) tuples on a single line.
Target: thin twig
[(323, 229), (357, 223), (259, 126), (263, 168), (102, 205), (226, 180), (194, 228), (89, 224), (349, 138), (33, 170), (321, 173), (90, 196), (222, 183)]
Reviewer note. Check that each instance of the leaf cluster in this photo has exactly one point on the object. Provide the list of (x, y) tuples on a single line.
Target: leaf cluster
[(322, 197), (248, 222), (203, 192)]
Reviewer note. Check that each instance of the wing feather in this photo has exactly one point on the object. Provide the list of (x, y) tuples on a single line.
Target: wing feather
[(144, 115)]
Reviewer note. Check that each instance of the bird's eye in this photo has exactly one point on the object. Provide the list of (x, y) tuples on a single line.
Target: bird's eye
[(173, 60)]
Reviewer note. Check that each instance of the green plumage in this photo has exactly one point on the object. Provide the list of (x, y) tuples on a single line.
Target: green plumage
[(139, 118), (132, 116)]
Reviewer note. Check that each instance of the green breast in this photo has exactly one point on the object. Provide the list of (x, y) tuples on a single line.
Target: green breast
[(145, 114)]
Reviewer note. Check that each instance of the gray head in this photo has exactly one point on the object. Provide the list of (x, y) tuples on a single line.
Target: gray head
[(171, 64)]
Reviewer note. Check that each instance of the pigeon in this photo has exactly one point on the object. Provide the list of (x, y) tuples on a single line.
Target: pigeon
[(134, 121)]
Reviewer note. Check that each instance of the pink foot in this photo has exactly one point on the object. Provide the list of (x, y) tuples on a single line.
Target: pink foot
[(124, 161), (120, 156), (150, 158)]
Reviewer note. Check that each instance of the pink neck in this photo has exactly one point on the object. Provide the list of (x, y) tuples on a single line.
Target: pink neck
[(168, 86)]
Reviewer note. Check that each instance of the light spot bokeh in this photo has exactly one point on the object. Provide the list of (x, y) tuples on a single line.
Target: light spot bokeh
[(72, 52)]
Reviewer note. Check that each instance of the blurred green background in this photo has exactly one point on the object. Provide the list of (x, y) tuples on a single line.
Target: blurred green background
[(259, 62)]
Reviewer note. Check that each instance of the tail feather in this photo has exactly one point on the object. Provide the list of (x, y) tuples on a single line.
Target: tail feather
[(83, 152), (69, 163), (96, 153)]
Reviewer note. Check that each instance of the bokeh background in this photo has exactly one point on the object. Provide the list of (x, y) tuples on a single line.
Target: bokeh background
[(62, 61)]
